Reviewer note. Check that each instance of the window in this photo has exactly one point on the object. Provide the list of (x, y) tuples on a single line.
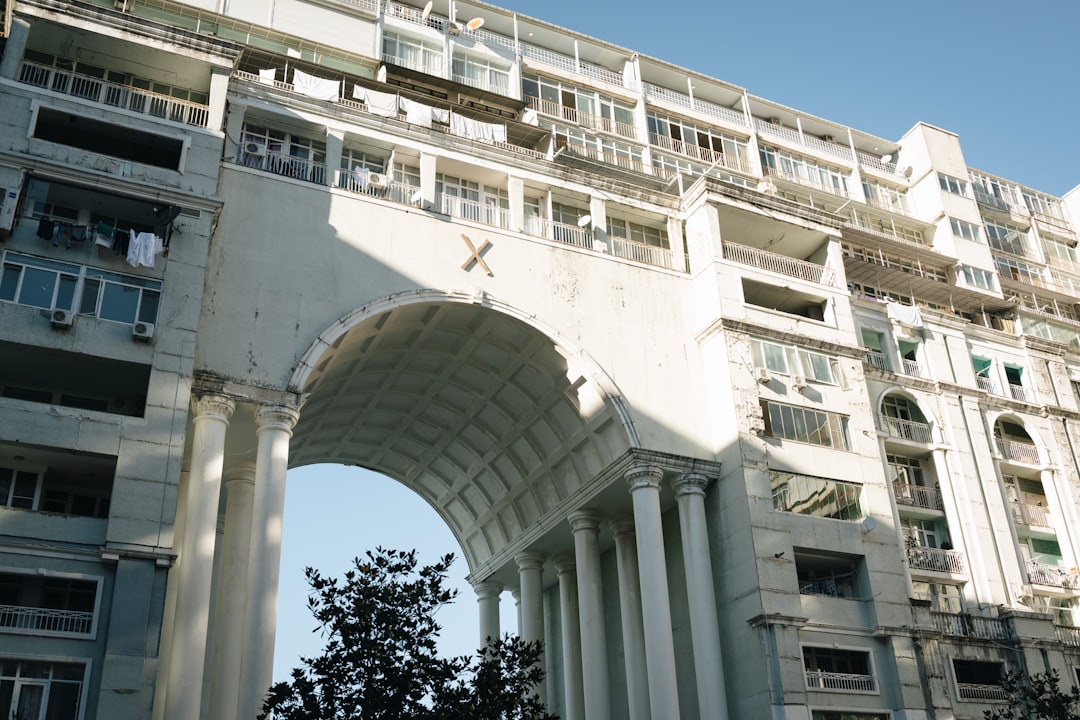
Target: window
[(966, 230), (942, 597), (698, 141), (1062, 609), (818, 367), (833, 575), (481, 73), (415, 54), (582, 106), (819, 497), (991, 191), (794, 167), (1007, 238), (48, 284), (953, 185), (835, 669), (56, 491), (885, 196), (979, 679), (978, 278), (69, 603), (800, 424), (40, 690), (636, 232)]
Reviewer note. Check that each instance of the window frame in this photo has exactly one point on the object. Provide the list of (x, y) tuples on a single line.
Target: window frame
[(835, 426)]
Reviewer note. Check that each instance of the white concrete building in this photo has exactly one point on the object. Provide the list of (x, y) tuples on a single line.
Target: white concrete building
[(752, 414)]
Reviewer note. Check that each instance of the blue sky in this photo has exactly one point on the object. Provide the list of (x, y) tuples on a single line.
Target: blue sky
[(1002, 75)]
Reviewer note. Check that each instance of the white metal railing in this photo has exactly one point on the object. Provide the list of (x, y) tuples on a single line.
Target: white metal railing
[(642, 252), (473, 210), (918, 496), (1024, 452), (656, 92), (822, 679), (807, 182), (875, 162), (973, 691), (432, 68), (1019, 392), (18, 617), (785, 133), (415, 16), (877, 359), (1029, 514), (719, 111), (912, 368), (936, 559), (965, 625), (613, 159), (596, 72), (561, 232), (403, 193), (1052, 575), (584, 119), (114, 94), (567, 62), (489, 38), (775, 262), (908, 429), (284, 165), (1068, 635), (987, 384), (499, 88)]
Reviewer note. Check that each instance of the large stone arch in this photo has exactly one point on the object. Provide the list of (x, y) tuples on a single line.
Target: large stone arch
[(496, 421)]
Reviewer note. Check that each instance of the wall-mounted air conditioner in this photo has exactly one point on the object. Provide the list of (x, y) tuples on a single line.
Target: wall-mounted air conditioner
[(762, 375), (798, 382), (8, 200), (61, 319), (143, 331), (379, 181), (254, 149)]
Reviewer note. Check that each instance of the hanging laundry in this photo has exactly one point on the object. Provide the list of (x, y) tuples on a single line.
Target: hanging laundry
[(268, 76), (360, 178), (141, 248), (62, 235), (476, 130), (529, 117), (316, 87), (440, 115), (378, 103), (417, 113), (103, 236), (45, 229)]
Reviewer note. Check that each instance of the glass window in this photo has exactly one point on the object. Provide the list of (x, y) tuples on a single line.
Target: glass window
[(801, 424), (952, 185), (819, 497), (40, 690), (966, 230)]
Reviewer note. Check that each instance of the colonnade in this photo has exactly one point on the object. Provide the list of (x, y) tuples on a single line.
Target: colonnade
[(645, 607)]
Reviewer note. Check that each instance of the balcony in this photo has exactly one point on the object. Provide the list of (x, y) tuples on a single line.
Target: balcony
[(116, 95), (282, 164), (800, 138), (808, 183), (824, 680), (567, 62), (917, 496), (428, 68), (908, 430), (782, 264), (498, 87), (1027, 514), (1067, 635), (974, 626), (1052, 575), (612, 159), (16, 618), (473, 210), (913, 369), (655, 92), (560, 232), (1021, 451), (937, 560), (877, 359), (703, 154), (583, 119), (986, 384), (1021, 393), (972, 691)]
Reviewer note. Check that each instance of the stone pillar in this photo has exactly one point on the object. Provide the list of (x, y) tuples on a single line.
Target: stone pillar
[(335, 147), (228, 651), (531, 613), (633, 630), (644, 481), (515, 191), (487, 598), (161, 682), (194, 569), (427, 182), (574, 707), (274, 424), (701, 596), (219, 88), (14, 48), (586, 526)]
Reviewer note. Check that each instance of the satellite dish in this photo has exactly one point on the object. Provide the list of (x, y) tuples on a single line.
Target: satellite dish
[(906, 171), (475, 23), (584, 220), (868, 524), (427, 11), (886, 159)]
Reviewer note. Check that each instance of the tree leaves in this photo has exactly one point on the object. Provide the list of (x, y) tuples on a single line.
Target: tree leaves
[(1037, 697)]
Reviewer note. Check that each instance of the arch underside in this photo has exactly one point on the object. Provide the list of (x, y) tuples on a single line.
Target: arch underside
[(478, 412)]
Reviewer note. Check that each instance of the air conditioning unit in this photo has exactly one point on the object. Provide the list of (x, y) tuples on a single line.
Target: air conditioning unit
[(142, 331), (762, 375), (829, 138), (254, 149), (61, 319), (8, 200), (798, 382), (453, 28), (378, 181)]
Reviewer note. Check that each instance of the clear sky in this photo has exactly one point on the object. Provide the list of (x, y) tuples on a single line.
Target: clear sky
[(1002, 75)]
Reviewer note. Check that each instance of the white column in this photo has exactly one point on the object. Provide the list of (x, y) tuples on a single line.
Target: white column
[(644, 481), (274, 424), (195, 566), (633, 630), (586, 526), (487, 599), (701, 596), (228, 650), (574, 704), (531, 611)]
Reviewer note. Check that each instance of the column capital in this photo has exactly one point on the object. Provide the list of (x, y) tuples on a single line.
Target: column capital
[(564, 565), (529, 560), (487, 589), (584, 520), (218, 407), (644, 476), (690, 483), (276, 417), (623, 526)]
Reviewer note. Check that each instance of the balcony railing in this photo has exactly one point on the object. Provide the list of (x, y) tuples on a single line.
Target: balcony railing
[(1068, 635), (473, 210), (1024, 452), (284, 165), (644, 253), (428, 68), (1052, 575), (114, 94), (414, 15), (775, 262), (655, 92), (807, 182), (824, 680), (567, 62), (794, 136), (560, 232), (877, 359), (987, 385), (908, 430), (976, 626), (972, 691), (614, 159), (1021, 393), (31, 619), (584, 119), (1028, 514), (499, 87), (937, 560), (918, 496), (913, 369)]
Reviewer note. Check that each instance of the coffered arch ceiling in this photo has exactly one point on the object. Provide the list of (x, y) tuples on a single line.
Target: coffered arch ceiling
[(482, 413)]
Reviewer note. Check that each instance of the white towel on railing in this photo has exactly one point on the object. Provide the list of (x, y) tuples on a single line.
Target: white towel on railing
[(904, 314), (417, 113), (268, 76), (316, 87), (379, 103), (476, 130)]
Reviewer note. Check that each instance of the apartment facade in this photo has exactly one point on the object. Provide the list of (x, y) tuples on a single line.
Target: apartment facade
[(743, 412)]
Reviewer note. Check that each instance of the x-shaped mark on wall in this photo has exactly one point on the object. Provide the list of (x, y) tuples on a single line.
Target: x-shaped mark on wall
[(475, 257)]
